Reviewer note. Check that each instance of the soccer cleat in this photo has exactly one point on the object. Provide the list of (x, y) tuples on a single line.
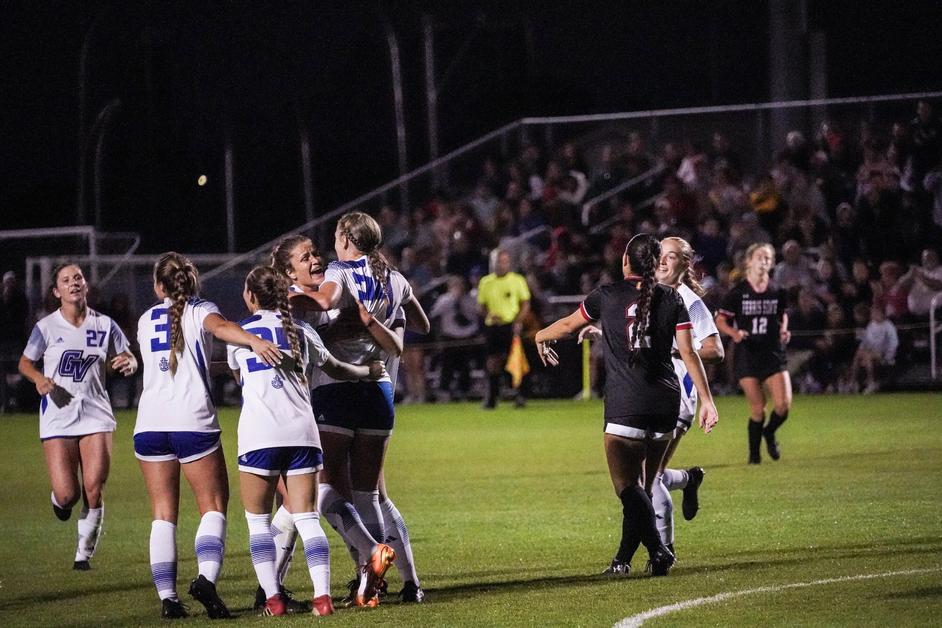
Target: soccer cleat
[(411, 593), (372, 575), (322, 605), (275, 606), (62, 514), (260, 599), (755, 460), (771, 444), (172, 609), (661, 562), (350, 599), (81, 565), (691, 503), (618, 569), (292, 605), (204, 592)]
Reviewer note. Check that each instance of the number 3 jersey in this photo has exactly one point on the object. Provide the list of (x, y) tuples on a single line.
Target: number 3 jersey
[(358, 284), (758, 313), (180, 402), (276, 404), (75, 358)]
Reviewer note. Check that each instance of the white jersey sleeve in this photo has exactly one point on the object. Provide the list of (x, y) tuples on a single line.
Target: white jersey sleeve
[(703, 328), (117, 341)]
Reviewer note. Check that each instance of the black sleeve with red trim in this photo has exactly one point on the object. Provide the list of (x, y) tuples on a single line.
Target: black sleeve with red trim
[(591, 308), (681, 313), (729, 306)]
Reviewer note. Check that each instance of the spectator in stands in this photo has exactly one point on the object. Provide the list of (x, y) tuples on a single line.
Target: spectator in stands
[(484, 203), (680, 203), (890, 294), (745, 231), (14, 325), (723, 157), (933, 185), (571, 159), (806, 321), (794, 270), (923, 283), (637, 160), (845, 235), (710, 245), (458, 323), (395, 232), (462, 258), (767, 203), (827, 285), (926, 136), (607, 172), (877, 347), (726, 197), (833, 352)]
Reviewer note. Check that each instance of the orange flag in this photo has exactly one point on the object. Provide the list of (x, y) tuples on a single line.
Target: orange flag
[(517, 364)]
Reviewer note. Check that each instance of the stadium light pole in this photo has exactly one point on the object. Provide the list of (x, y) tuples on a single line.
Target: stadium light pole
[(307, 180), (393, 42), (82, 98), (100, 132), (431, 93)]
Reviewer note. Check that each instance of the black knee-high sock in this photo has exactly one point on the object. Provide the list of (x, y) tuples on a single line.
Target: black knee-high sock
[(775, 421), (638, 523), (493, 388), (755, 439)]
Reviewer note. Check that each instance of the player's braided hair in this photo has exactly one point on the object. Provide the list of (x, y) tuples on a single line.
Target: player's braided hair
[(270, 288), (643, 253), (281, 254), (688, 274), (180, 280), (365, 234)]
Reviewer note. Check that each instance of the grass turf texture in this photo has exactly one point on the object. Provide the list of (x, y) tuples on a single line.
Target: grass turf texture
[(512, 518)]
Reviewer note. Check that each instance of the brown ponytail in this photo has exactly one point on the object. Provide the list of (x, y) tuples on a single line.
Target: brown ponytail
[(180, 281), (365, 234), (270, 288)]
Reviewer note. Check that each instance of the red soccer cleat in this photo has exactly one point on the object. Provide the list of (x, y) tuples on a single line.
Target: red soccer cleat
[(275, 606), (322, 605)]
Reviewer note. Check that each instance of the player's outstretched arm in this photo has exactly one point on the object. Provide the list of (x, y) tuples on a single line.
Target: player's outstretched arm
[(708, 414), (27, 367), (563, 328), (344, 371), (229, 332)]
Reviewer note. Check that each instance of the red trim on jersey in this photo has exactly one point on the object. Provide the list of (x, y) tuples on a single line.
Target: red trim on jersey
[(687, 325), (726, 313), (633, 278), (585, 314)]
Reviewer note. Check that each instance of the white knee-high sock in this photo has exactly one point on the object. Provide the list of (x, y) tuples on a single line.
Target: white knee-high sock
[(343, 516), (210, 544), (285, 535), (316, 550), (89, 529), (163, 558), (675, 479), (367, 504), (663, 510), (262, 550), (397, 535)]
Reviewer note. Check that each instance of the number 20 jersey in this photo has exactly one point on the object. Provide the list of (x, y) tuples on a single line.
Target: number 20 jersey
[(180, 402), (75, 358)]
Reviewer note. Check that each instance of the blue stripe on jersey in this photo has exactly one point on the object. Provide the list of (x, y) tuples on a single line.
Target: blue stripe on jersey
[(250, 319), (201, 364), (43, 404), (698, 312), (688, 383)]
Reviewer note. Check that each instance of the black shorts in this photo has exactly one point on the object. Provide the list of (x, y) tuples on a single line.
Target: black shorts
[(761, 364), (498, 339), (639, 426)]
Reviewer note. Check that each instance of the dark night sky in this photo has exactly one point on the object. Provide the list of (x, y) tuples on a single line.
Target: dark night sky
[(183, 71)]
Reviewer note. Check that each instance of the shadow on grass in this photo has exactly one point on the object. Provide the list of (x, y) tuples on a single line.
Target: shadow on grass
[(918, 594), (798, 556)]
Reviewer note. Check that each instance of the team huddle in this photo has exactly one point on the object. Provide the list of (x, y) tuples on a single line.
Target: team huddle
[(317, 361)]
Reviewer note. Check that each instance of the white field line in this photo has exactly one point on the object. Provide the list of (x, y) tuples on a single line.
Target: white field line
[(637, 620)]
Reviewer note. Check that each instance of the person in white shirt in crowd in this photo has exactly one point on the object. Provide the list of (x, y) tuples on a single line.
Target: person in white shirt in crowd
[(877, 347), (457, 314)]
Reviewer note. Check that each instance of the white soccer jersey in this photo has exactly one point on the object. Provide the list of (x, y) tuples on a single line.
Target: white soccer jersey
[(314, 318), (75, 358), (182, 402), (392, 361), (276, 404), (358, 284), (703, 328)]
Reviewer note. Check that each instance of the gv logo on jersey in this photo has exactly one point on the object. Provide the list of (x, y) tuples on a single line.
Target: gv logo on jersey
[(75, 364)]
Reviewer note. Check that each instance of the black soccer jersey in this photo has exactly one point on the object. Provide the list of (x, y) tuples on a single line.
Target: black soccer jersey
[(757, 313), (650, 386)]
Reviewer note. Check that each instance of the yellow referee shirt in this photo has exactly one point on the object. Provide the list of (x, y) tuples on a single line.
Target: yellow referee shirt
[(502, 296)]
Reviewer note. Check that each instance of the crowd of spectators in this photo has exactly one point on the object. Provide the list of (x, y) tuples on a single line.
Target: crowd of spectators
[(855, 215)]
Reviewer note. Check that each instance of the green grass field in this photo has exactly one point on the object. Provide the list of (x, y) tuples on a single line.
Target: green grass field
[(512, 517)]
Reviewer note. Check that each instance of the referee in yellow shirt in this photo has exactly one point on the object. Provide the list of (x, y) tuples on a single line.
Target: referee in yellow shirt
[(504, 299)]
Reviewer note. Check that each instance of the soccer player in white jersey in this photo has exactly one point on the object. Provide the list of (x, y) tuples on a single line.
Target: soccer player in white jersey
[(75, 344), (356, 419), (278, 436), (177, 427)]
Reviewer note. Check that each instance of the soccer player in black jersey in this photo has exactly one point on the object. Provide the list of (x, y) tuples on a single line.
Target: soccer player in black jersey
[(640, 319), (753, 315)]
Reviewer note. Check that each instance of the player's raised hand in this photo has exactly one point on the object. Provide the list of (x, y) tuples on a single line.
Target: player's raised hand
[(548, 355), (740, 335)]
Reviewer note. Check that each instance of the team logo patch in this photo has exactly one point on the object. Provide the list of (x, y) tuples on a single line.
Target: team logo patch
[(277, 383), (75, 364), (164, 365)]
